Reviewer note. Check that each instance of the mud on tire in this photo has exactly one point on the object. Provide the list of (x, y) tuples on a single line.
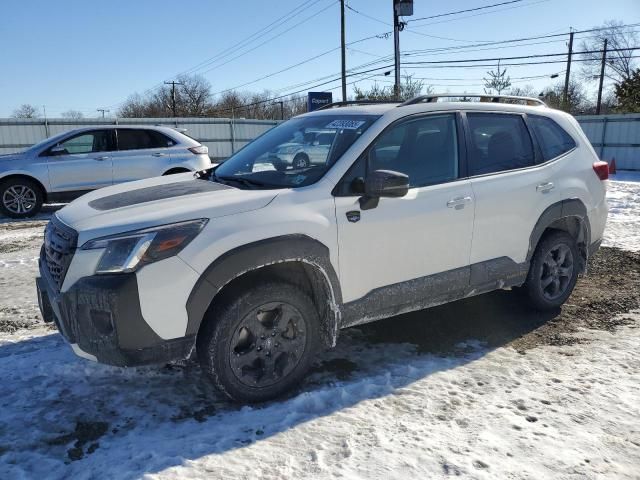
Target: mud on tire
[(553, 272), (260, 343)]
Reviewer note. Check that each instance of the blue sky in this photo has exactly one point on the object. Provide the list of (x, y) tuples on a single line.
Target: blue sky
[(82, 55)]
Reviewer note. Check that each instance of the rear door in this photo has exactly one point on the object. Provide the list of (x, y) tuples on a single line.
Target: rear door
[(81, 162), (510, 186), (142, 153)]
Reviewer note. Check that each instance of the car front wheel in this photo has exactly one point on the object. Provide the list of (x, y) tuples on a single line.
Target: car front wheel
[(20, 198), (260, 344)]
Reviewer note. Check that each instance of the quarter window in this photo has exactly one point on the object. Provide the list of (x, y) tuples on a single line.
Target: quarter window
[(553, 140), (133, 139), (498, 142), (425, 149)]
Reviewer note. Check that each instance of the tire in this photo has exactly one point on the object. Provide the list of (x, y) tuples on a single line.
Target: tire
[(301, 160), (20, 197), (260, 343), (553, 272)]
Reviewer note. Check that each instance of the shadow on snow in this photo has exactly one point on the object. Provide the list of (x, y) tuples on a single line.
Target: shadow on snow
[(57, 408)]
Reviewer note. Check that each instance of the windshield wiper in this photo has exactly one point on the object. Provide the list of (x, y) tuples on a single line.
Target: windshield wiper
[(247, 182)]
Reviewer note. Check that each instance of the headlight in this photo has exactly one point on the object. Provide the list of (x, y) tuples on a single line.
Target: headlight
[(125, 252)]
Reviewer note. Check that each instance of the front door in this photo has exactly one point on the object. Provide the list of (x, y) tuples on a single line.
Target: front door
[(81, 162), (419, 242)]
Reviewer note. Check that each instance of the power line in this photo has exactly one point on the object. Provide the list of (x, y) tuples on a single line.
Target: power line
[(464, 11), (246, 41)]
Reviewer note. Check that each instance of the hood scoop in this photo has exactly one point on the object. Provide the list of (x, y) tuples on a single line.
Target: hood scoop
[(158, 192)]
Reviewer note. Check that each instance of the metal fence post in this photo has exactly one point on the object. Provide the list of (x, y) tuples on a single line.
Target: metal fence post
[(604, 135)]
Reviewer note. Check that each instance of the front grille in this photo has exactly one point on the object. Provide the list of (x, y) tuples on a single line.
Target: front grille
[(60, 241)]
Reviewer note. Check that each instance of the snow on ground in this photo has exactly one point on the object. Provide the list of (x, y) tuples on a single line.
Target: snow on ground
[(623, 224), (370, 410), (552, 413)]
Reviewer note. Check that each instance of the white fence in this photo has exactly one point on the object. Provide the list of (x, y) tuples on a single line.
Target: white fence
[(612, 136), (223, 136)]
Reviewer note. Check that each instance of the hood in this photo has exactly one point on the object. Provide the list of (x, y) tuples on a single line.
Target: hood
[(11, 156), (157, 201)]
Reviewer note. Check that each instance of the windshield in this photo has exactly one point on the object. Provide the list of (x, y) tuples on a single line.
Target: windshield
[(294, 154)]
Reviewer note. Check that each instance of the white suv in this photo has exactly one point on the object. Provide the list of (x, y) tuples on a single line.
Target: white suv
[(257, 268), (69, 164)]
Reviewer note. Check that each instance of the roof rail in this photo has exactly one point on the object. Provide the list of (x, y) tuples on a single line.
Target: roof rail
[(355, 102), (483, 98)]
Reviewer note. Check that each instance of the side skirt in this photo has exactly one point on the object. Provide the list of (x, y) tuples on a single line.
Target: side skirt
[(63, 197), (433, 290)]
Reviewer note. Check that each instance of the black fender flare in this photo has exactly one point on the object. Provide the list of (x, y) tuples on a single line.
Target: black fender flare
[(253, 256), (564, 209)]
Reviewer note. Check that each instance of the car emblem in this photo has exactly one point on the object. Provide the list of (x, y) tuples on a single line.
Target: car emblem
[(353, 216)]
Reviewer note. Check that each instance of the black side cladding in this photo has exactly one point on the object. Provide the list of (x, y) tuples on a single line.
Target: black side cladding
[(253, 256), (158, 192)]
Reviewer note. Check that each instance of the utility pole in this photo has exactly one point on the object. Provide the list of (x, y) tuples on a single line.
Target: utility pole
[(565, 94), (343, 50), (103, 111), (604, 61), (173, 95), (396, 49), (281, 109)]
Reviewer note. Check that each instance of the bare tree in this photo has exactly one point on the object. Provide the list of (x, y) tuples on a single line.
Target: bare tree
[(497, 81), (26, 111), (526, 91), (193, 99), (409, 88), (620, 64), (72, 114), (576, 97)]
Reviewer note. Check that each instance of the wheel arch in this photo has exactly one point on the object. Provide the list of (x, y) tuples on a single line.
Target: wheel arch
[(29, 177), (175, 170), (567, 215), (297, 259)]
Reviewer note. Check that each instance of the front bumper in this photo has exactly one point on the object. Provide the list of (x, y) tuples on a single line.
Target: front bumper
[(101, 317)]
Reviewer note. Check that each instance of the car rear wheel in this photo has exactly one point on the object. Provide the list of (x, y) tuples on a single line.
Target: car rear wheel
[(260, 344), (20, 198), (553, 272)]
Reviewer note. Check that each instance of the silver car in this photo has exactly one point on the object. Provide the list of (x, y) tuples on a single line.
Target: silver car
[(67, 165), (312, 148)]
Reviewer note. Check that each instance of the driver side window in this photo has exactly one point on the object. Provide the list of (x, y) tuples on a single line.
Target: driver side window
[(88, 142), (425, 149)]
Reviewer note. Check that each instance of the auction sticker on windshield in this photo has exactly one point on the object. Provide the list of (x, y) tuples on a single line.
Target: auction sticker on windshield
[(346, 124)]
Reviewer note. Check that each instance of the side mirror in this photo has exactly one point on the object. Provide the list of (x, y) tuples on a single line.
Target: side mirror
[(57, 150), (383, 183)]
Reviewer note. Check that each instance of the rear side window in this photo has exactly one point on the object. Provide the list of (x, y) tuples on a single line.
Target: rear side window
[(498, 142), (553, 140), (132, 139)]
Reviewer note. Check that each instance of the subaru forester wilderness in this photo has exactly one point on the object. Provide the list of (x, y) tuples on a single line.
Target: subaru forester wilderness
[(254, 268)]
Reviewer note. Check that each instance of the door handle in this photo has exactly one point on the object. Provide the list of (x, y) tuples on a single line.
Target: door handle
[(159, 154), (545, 187), (458, 202), (100, 159)]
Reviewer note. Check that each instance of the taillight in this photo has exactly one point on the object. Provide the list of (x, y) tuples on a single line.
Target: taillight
[(199, 149), (601, 169)]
